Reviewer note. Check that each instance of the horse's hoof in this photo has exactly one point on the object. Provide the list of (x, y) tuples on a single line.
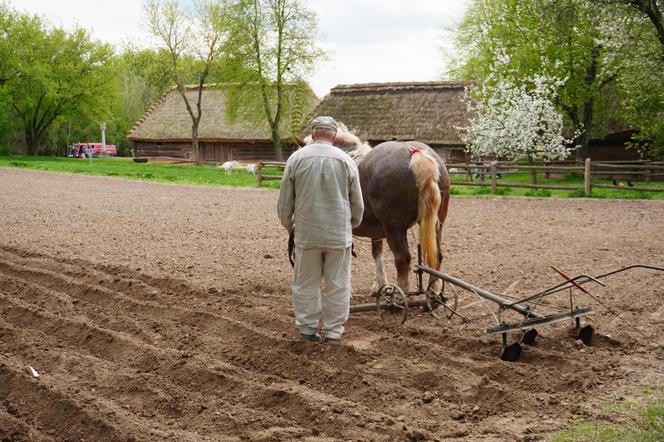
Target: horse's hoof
[(436, 286), (375, 288)]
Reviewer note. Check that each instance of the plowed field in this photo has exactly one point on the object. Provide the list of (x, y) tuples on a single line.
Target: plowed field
[(161, 312)]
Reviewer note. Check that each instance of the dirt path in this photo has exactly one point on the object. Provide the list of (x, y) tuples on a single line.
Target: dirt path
[(159, 312)]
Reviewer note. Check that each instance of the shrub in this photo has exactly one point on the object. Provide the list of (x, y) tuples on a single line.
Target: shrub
[(539, 193), (482, 191), (644, 195)]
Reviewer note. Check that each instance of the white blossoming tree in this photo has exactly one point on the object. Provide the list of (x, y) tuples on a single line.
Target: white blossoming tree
[(515, 120)]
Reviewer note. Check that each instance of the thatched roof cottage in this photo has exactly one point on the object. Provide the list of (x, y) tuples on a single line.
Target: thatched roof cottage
[(165, 129), (423, 111), (430, 112)]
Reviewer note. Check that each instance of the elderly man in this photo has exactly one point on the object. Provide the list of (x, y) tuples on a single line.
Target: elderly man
[(321, 202)]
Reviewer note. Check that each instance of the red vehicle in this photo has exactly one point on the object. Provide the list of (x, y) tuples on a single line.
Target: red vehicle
[(88, 150)]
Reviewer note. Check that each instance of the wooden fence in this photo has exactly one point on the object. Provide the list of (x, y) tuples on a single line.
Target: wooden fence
[(477, 173), (636, 170), (259, 171)]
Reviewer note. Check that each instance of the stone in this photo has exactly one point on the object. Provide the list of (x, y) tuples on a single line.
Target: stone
[(457, 415)]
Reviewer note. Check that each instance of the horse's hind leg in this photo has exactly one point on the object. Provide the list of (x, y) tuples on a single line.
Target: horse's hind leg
[(436, 284), (377, 252), (398, 242)]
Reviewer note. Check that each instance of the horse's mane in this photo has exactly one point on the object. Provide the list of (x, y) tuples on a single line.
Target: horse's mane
[(348, 142)]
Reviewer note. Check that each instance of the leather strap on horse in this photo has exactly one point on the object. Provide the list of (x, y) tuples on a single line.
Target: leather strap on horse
[(412, 150), (291, 249)]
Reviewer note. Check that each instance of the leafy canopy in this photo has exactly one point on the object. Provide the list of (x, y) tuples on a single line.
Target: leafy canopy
[(273, 48), (49, 74), (608, 52)]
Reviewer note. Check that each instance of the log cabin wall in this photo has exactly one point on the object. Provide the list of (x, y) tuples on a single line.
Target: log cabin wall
[(214, 152), (259, 152), (607, 151), (162, 149), (450, 154)]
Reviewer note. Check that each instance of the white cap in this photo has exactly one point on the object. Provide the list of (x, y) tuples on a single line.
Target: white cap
[(323, 122)]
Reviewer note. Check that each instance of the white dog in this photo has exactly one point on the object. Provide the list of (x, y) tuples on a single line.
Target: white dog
[(251, 168), (228, 167)]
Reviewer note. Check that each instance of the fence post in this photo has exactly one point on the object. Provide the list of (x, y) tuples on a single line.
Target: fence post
[(259, 169), (648, 175), (586, 178), (494, 176)]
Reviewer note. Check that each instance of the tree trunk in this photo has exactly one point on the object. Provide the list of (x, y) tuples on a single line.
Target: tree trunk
[(276, 142), (584, 138), (588, 106), (195, 145), (533, 172), (33, 142)]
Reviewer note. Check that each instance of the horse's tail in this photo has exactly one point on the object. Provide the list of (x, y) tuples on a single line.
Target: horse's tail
[(425, 169)]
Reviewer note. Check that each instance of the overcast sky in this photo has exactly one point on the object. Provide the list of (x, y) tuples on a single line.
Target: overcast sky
[(367, 40)]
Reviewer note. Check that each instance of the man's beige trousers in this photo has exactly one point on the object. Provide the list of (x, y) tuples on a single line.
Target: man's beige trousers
[(328, 309)]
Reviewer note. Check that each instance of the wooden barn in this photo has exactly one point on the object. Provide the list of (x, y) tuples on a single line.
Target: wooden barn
[(423, 111), (612, 146), (165, 129)]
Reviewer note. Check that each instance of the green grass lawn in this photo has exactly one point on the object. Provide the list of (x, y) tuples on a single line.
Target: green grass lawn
[(126, 168), (214, 176)]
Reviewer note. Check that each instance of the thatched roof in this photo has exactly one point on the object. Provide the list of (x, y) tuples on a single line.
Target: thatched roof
[(423, 111), (168, 119)]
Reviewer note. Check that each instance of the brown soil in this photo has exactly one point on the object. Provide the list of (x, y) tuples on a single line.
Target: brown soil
[(161, 312)]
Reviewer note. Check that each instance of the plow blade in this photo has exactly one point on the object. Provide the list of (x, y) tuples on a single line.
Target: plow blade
[(536, 322)]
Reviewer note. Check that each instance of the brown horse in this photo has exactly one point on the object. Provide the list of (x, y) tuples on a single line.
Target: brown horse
[(402, 183)]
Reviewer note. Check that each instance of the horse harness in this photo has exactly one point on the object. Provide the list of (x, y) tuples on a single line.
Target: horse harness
[(412, 150)]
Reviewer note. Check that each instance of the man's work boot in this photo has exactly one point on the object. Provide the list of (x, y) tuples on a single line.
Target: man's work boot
[(310, 338)]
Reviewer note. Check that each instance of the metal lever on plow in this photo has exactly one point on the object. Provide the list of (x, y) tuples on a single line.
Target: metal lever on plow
[(583, 279)]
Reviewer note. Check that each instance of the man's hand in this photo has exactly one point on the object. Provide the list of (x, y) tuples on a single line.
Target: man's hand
[(289, 230)]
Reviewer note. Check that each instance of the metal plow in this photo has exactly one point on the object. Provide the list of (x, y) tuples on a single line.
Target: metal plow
[(538, 309)]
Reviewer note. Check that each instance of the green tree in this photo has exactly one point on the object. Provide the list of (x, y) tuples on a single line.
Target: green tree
[(141, 80), (273, 49), (652, 9), (556, 37), (200, 38), (49, 74), (633, 36), (607, 51), (6, 120)]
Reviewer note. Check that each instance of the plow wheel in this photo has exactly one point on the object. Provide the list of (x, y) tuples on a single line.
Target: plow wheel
[(435, 300), (392, 304)]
